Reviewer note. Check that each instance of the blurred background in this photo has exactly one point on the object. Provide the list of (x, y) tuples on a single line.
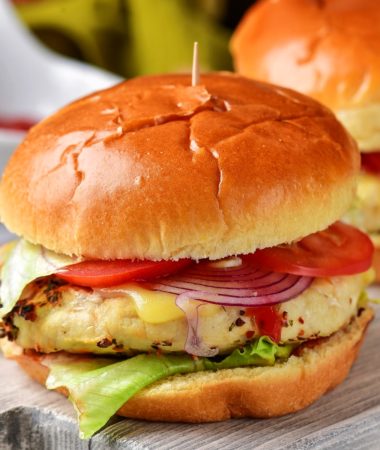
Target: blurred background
[(53, 51), (136, 37)]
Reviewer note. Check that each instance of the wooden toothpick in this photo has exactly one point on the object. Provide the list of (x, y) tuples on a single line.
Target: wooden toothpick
[(195, 70)]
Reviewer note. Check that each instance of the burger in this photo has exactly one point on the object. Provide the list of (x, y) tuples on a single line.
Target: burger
[(329, 50), (181, 256)]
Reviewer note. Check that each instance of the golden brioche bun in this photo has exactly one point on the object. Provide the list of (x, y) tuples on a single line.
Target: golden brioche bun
[(156, 169), (327, 49), (242, 392)]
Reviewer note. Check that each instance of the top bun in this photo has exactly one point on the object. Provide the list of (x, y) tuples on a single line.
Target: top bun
[(156, 169), (328, 49)]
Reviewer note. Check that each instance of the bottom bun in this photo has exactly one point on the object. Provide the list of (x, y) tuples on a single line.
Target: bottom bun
[(259, 392)]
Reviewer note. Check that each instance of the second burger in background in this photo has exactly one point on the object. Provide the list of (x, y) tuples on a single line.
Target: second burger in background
[(329, 50)]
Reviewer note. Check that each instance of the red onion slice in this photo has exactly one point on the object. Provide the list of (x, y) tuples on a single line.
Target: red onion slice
[(242, 286), (194, 344), (245, 287), (284, 290)]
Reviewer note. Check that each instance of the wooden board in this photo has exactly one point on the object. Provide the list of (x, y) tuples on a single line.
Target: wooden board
[(347, 418)]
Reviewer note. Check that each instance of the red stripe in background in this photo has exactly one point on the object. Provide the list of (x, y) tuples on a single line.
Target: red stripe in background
[(16, 124), (371, 162)]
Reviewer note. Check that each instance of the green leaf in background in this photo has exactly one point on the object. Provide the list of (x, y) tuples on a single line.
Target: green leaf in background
[(99, 387), (162, 35), (133, 37), (26, 263)]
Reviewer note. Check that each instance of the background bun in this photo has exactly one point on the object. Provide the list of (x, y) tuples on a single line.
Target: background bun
[(243, 392), (154, 168), (328, 49)]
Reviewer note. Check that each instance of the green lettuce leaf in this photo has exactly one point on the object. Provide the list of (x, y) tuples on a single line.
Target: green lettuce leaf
[(99, 387), (365, 299), (262, 352), (26, 263)]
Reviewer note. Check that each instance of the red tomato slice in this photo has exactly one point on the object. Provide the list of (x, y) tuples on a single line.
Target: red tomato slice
[(371, 162), (100, 273), (267, 320), (339, 250)]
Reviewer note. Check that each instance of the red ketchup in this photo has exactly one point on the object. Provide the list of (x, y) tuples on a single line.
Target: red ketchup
[(268, 321), (16, 124), (371, 162)]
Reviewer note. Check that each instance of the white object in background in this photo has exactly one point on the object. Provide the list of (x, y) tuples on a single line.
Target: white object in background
[(34, 81)]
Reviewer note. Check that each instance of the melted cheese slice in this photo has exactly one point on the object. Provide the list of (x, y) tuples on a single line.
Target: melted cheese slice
[(153, 306), (160, 307)]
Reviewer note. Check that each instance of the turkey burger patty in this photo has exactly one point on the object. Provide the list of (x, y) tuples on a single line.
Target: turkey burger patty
[(80, 321)]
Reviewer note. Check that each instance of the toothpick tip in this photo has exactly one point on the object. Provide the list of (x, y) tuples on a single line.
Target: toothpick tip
[(195, 69)]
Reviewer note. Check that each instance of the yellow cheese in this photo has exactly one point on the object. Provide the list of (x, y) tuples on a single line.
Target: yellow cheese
[(153, 306), (160, 307)]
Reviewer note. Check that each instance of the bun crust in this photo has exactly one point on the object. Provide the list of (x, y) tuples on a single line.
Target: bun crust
[(326, 49), (243, 392), (156, 169)]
